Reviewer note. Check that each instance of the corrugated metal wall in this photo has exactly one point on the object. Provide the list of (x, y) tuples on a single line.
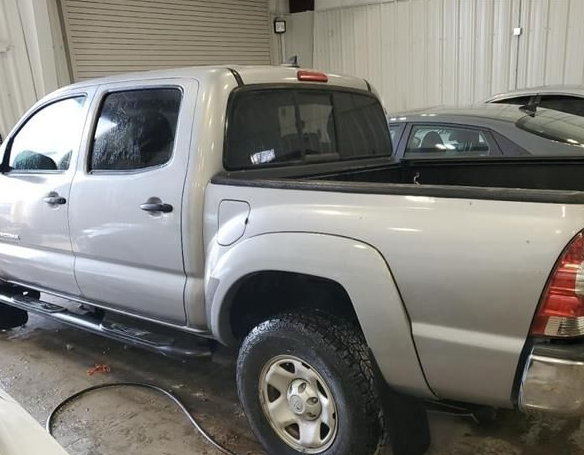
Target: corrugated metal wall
[(17, 87), (113, 36), (32, 56), (433, 52)]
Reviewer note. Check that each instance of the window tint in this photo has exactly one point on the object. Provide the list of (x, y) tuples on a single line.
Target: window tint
[(443, 141), (362, 128), (564, 103), (47, 140), (136, 129), (298, 126), (518, 100), (395, 131)]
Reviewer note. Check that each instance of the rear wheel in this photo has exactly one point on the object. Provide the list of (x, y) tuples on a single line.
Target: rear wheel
[(306, 382), (11, 317)]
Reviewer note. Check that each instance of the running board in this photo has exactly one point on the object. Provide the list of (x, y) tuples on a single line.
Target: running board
[(171, 344)]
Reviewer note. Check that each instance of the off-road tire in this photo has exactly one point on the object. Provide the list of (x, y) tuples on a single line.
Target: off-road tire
[(338, 352)]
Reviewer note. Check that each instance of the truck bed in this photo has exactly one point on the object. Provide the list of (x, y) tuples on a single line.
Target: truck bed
[(518, 179), (525, 173), (470, 256)]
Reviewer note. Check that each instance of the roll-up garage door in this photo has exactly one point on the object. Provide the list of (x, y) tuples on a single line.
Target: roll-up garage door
[(113, 36)]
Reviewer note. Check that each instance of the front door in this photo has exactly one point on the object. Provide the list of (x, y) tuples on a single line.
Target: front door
[(38, 169), (126, 200)]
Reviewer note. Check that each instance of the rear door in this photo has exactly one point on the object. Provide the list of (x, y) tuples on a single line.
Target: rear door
[(126, 199), (39, 164)]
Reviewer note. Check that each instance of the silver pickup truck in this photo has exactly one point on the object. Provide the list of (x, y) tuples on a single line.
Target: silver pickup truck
[(261, 208)]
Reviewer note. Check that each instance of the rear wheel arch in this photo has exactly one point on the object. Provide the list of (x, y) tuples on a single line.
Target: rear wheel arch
[(291, 258), (334, 262), (258, 296)]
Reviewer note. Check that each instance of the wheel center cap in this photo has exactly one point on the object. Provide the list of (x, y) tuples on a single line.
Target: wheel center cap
[(297, 405), (303, 400)]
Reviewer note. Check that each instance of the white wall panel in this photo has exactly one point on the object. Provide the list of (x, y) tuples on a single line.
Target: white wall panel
[(504, 50), (298, 39), (32, 61), (434, 52), (574, 60), (17, 90)]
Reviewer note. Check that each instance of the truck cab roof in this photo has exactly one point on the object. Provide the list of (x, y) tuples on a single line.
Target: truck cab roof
[(242, 74)]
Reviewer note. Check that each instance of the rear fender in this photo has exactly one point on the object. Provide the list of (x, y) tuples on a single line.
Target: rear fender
[(357, 267)]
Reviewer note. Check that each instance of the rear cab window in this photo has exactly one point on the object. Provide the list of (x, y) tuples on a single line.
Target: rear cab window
[(279, 126)]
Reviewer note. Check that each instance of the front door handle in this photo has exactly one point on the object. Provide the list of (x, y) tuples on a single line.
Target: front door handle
[(54, 199), (156, 207)]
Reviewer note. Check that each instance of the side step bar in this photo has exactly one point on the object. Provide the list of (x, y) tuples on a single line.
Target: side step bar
[(164, 342)]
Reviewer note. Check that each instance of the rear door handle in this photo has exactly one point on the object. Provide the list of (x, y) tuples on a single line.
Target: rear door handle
[(156, 207), (54, 199)]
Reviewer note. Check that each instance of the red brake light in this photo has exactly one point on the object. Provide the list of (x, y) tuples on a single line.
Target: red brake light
[(561, 311), (311, 76)]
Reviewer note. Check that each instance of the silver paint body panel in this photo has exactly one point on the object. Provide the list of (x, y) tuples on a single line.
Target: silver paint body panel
[(125, 257), (469, 274), (445, 289)]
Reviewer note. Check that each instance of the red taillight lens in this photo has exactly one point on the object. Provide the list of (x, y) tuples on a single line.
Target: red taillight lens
[(311, 76), (561, 311)]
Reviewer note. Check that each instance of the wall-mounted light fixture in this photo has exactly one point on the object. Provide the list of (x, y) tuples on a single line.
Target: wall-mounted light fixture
[(279, 26)]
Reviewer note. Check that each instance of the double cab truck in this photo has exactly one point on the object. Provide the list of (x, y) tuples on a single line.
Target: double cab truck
[(261, 208)]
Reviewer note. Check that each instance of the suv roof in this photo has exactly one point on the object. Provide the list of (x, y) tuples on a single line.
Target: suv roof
[(509, 113), (566, 90)]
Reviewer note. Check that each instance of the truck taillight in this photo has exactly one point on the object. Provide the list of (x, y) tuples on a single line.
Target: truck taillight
[(561, 311)]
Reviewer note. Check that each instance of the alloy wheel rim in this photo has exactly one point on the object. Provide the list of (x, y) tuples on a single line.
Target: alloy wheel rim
[(298, 404)]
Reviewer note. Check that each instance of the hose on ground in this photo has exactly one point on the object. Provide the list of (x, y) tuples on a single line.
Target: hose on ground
[(166, 393)]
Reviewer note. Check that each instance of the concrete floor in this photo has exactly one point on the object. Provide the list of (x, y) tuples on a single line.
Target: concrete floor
[(44, 362)]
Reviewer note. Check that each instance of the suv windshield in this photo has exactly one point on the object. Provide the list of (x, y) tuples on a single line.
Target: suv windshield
[(299, 125)]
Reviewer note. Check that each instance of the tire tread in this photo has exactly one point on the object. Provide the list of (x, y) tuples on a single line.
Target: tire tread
[(346, 339)]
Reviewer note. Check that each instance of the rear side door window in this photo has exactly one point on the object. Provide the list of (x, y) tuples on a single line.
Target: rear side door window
[(441, 141), (48, 139), (136, 130)]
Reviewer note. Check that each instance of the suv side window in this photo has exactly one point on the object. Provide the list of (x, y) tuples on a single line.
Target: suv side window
[(563, 103), (439, 141), (395, 131), (136, 129), (48, 138), (517, 100)]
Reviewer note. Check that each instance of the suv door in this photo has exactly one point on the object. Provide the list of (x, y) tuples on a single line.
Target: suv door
[(38, 167), (126, 199)]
